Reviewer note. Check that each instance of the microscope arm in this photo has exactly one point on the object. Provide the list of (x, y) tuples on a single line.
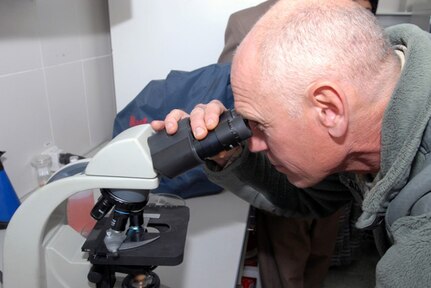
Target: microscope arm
[(23, 259)]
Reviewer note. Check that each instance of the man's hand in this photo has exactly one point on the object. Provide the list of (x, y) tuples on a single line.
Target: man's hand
[(203, 118)]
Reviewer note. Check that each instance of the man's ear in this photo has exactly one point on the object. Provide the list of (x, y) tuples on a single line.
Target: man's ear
[(329, 101)]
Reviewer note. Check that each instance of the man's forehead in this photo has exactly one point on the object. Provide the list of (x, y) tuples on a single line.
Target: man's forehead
[(243, 73)]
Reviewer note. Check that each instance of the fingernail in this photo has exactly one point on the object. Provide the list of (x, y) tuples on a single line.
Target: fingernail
[(169, 126), (199, 132), (210, 122)]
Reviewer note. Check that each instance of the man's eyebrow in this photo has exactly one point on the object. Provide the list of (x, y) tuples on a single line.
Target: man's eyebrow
[(240, 114)]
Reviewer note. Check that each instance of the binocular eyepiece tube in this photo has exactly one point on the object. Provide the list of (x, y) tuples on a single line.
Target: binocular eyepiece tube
[(177, 153)]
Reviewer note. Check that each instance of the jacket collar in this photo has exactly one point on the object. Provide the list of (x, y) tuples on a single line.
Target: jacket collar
[(404, 121)]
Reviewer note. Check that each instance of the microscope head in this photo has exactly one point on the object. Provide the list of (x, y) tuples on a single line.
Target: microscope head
[(139, 152)]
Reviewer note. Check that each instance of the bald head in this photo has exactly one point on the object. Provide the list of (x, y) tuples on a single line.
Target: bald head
[(315, 76), (299, 41)]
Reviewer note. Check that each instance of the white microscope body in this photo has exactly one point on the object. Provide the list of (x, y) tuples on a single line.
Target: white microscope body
[(40, 249)]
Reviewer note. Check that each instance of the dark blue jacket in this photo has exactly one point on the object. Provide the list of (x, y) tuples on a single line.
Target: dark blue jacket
[(182, 90)]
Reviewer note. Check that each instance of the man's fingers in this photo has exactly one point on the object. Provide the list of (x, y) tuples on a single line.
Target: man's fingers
[(171, 120), (212, 113), (205, 117), (158, 125), (197, 122)]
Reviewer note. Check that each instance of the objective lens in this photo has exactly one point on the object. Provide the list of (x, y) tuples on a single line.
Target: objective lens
[(101, 208)]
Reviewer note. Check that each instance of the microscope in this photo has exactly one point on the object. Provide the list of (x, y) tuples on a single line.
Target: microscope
[(132, 235)]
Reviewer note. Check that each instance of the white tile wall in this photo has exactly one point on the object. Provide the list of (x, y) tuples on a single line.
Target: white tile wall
[(99, 79), (24, 125), (66, 94), (19, 43), (59, 31), (93, 26), (56, 81)]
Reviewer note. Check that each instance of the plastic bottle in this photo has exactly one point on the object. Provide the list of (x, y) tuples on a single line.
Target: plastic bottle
[(42, 163)]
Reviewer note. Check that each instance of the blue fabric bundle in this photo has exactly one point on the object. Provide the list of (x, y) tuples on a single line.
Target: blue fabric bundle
[(182, 90)]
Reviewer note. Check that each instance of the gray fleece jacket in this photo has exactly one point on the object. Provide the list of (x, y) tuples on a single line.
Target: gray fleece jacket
[(398, 194)]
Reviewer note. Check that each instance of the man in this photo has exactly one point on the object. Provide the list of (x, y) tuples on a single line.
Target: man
[(294, 252), (332, 103)]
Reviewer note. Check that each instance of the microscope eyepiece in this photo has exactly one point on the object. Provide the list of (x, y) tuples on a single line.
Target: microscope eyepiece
[(177, 153)]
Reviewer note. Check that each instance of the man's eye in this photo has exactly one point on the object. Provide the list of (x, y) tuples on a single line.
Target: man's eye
[(252, 124), (256, 126)]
